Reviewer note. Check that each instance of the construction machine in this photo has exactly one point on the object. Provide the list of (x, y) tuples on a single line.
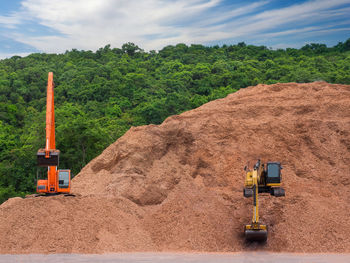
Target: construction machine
[(58, 181), (262, 179)]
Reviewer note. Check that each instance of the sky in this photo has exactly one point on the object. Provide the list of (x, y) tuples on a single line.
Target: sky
[(54, 26)]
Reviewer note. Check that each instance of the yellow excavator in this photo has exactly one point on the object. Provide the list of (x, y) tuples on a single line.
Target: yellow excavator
[(262, 179)]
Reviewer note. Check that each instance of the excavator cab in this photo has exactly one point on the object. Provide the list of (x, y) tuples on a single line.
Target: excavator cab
[(273, 179), (63, 179), (273, 173)]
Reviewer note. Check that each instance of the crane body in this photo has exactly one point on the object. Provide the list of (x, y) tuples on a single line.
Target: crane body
[(58, 181)]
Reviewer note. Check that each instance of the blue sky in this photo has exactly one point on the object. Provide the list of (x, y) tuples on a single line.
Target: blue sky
[(54, 26)]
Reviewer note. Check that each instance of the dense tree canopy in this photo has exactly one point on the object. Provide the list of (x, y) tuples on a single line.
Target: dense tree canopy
[(100, 95)]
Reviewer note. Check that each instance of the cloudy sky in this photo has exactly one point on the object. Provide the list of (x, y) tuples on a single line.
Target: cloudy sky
[(54, 26)]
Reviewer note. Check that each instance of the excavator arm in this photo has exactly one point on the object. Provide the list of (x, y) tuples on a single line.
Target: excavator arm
[(255, 231), (49, 156)]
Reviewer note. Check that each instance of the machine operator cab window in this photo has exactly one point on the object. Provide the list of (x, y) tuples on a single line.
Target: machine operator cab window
[(63, 178), (273, 173)]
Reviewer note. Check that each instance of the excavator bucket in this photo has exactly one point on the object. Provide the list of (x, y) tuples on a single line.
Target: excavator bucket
[(258, 235), (51, 160)]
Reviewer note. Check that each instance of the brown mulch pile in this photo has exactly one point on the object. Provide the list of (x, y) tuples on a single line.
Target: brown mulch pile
[(178, 186)]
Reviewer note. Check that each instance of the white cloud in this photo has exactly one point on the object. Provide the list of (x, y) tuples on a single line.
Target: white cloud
[(305, 13), (152, 24), (8, 55), (10, 21), (90, 24), (307, 30)]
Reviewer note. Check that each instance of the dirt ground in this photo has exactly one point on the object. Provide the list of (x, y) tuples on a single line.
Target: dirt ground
[(178, 186)]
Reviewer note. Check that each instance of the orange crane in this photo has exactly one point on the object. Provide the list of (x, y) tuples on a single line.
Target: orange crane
[(58, 181)]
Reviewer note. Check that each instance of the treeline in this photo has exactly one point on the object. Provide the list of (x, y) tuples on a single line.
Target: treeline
[(100, 95)]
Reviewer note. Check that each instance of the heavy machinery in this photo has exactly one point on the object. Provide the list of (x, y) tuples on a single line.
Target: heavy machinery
[(262, 179), (58, 181)]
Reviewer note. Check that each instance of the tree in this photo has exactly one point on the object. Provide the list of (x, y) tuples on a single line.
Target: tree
[(130, 48)]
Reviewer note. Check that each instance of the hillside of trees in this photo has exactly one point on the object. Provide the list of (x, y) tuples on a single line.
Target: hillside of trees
[(100, 95)]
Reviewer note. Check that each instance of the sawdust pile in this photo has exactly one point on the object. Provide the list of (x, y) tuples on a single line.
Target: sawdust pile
[(178, 186)]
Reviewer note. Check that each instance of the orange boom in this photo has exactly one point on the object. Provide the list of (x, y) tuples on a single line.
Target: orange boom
[(58, 181)]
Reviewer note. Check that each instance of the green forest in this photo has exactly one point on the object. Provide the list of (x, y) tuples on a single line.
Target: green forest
[(100, 95)]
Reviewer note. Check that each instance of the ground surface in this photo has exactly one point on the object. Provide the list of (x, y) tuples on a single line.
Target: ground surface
[(178, 186), (176, 258)]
